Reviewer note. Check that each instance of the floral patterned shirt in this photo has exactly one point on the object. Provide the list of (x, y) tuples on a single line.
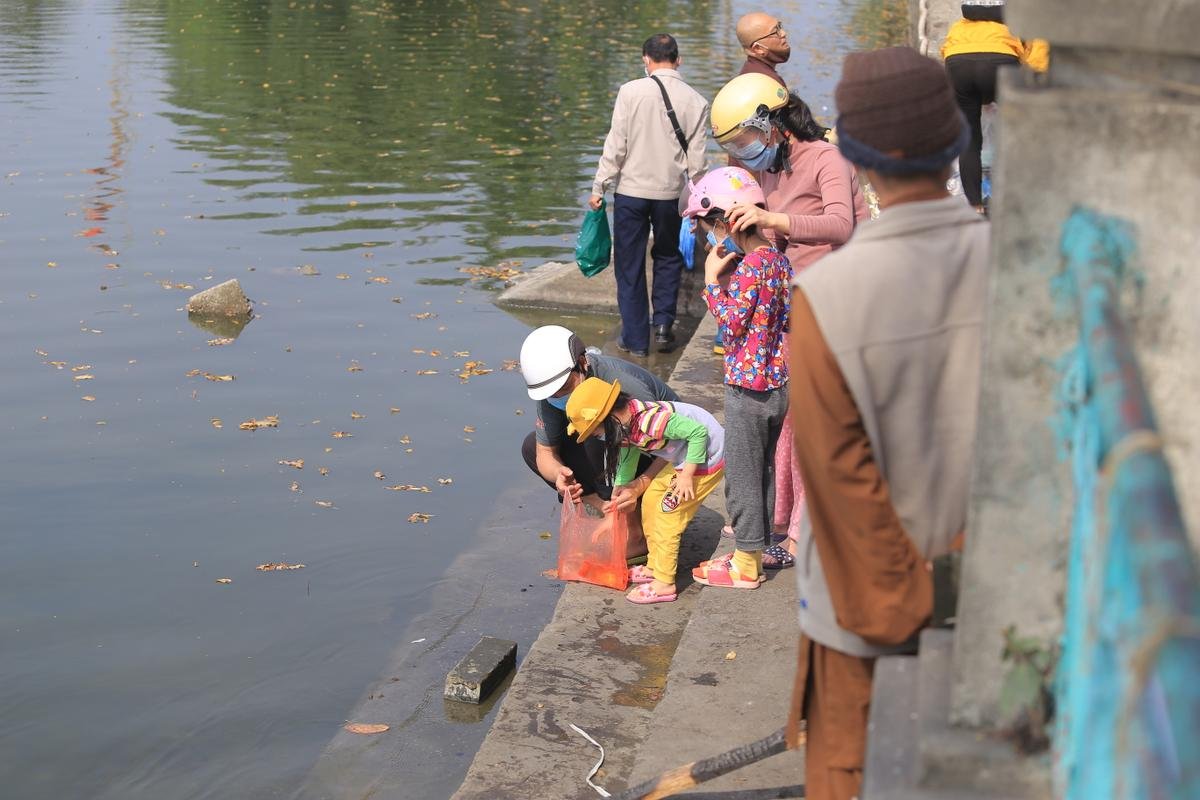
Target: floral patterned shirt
[(753, 315)]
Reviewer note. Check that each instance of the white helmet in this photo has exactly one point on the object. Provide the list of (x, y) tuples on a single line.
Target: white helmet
[(547, 358)]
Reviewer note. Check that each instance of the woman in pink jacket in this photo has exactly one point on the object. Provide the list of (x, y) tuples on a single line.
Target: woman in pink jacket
[(814, 203)]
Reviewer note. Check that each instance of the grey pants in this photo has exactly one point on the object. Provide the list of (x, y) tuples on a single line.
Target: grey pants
[(753, 421)]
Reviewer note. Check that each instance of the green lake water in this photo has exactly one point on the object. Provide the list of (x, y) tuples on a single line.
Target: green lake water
[(345, 160)]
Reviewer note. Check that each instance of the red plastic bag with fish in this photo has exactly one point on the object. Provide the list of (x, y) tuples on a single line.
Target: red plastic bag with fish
[(591, 546)]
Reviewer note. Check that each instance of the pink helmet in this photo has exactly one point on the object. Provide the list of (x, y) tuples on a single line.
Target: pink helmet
[(722, 188)]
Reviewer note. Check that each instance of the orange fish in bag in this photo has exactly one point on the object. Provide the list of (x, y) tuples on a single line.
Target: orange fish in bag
[(591, 546)]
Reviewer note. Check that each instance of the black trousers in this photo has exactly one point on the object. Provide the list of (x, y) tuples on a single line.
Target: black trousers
[(585, 460), (973, 76), (633, 218)]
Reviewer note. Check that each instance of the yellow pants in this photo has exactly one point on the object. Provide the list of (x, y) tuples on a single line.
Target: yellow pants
[(664, 518)]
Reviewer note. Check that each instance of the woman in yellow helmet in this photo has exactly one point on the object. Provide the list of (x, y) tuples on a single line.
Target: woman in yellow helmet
[(813, 197)]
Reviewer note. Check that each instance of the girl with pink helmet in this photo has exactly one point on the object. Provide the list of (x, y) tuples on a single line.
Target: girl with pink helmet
[(746, 288)]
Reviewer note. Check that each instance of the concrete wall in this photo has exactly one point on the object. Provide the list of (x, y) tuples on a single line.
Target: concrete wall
[(1116, 130)]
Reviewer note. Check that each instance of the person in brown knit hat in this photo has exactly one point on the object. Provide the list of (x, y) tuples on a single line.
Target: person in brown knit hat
[(885, 364)]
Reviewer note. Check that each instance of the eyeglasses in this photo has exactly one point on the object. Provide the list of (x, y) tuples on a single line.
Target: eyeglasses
[(776, 31)]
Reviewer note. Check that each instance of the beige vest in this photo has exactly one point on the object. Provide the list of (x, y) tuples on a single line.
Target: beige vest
[(901, 307)]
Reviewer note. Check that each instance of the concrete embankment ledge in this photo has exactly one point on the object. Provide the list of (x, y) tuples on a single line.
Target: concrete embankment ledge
[(657, 686)]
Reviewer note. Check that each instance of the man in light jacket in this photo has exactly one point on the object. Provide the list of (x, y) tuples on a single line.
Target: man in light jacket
[(886, 337), (647, 167)]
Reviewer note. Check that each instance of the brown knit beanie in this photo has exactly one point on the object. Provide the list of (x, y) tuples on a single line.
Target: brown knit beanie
[(896, 99)]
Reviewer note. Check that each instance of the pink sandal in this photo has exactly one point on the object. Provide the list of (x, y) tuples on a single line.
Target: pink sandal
[(644, 595), (640, 574), (723, 573)]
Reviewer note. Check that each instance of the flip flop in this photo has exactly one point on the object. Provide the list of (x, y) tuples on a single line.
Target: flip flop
[(640, 574), (780, 558), (644, 595)]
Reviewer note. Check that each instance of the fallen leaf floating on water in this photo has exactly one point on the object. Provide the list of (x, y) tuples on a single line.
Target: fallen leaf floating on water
[(90, 232), (354, 367), (57, 364), (216, 423), (84, 377), (552, 574), (295, 487), (468, 428), (298, 463), (445, 481), (417, 516), (379, 475), (278, 567), (224, 580), (356, 415), (221, 342), (209, 376), (545, 535), (427, 372), (341, 435), (342, 276), (87, 398), (379, 279), (405, 439), (394, 410), (41, 353), (81, 367), (254, 424), (324, 503), (424, 315), (323, 470), (472, 368), (366, 728), (169, 285), (462, 353), (408, 487), (510, 364)]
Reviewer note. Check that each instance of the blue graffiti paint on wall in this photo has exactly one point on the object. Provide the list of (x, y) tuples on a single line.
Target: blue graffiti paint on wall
[(1128, 682)]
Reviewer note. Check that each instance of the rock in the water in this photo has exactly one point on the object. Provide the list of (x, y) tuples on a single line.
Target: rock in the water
[(480, 670), (223, 300)]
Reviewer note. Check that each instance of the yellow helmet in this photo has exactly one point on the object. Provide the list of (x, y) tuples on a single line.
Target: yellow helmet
[(589, 404), (745, 102)]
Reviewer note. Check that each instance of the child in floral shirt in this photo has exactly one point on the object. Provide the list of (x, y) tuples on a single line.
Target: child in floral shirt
[(747, 291)]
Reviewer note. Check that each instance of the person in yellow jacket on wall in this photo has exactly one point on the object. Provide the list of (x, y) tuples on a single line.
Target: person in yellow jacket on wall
[(975, 47)]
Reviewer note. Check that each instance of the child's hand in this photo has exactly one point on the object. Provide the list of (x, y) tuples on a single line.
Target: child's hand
[(718, 261), (624, 498), (685, 488)]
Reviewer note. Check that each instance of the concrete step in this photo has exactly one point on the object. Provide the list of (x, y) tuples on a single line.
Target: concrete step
[(913, 751)]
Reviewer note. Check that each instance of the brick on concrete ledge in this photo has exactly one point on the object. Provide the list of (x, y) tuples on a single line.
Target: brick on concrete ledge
[(480, 670)]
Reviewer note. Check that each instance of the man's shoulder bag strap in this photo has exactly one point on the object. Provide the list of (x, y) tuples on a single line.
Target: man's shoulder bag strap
[(671, 116)]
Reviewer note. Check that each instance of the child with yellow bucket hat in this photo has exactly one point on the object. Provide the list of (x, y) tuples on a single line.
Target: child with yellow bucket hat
[(685, 436)]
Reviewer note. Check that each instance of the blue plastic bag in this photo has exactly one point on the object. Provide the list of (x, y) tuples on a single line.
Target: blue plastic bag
[(687, 242)]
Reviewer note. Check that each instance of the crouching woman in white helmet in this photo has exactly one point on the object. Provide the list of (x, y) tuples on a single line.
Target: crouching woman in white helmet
[(553, 362)]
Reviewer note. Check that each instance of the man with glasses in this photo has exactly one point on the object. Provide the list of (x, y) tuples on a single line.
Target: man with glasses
[(766, 44)]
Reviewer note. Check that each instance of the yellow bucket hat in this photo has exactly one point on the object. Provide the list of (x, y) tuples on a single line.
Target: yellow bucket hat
[(589, 404)]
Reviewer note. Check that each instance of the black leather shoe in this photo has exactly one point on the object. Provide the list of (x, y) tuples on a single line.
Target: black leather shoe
[(664, 337), (626, 349)]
